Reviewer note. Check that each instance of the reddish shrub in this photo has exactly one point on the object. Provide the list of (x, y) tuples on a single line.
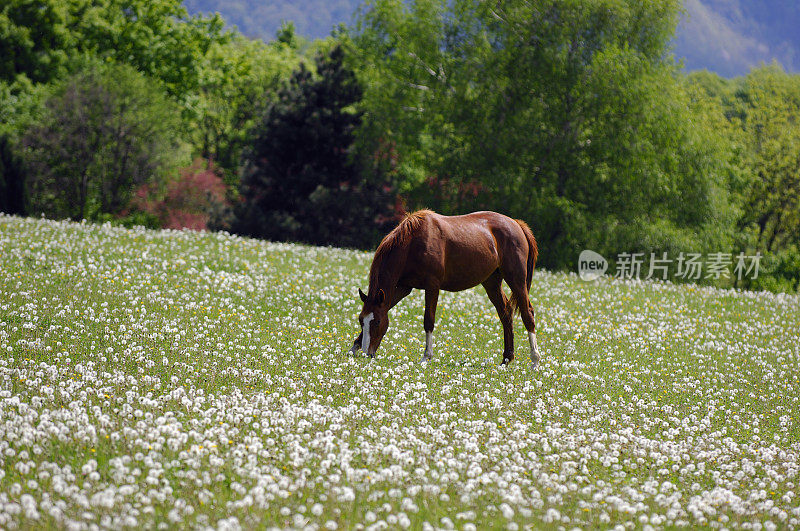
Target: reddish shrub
[(188, 201)]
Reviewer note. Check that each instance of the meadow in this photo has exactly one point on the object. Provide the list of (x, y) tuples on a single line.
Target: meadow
[(192, 379)]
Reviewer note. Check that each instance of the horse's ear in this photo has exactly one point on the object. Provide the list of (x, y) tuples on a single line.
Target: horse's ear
[(361, 294), (381, 296)]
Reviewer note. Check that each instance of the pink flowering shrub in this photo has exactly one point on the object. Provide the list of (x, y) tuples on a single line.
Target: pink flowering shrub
[(186, 202)]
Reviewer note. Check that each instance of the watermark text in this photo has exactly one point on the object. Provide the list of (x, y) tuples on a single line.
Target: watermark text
[(686, 266)]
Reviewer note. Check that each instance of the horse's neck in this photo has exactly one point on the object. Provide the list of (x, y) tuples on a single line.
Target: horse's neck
[(389, 270)]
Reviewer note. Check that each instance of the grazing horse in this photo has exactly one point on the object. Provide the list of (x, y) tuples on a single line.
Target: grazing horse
[(434, 252)]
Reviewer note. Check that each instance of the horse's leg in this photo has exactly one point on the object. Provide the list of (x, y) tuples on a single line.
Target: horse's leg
[(493, 288), (399, 293), (431, 299), (520, 292)]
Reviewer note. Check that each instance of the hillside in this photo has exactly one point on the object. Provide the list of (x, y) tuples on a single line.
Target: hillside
[(730, 36), (254, 18), (725, 36), (198, 379)]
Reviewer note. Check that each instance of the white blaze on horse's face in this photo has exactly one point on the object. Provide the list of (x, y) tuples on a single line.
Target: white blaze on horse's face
[(365, 332)]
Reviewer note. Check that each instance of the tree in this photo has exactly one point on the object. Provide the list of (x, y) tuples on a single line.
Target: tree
[(105, 130), (768, 105), (34, 38), (12, 182), (758, 114), (568, 114), (300, 179), (238, 79), (157, 37), (42, 39)]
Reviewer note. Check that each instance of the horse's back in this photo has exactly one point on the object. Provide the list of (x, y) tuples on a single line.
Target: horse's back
[(505, 232), (467, 249)]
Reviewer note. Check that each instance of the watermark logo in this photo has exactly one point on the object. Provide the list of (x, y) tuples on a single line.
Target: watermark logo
[(591, 265), (687, 266)]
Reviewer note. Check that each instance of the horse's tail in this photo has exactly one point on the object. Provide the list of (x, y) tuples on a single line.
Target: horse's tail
[(533, 254)]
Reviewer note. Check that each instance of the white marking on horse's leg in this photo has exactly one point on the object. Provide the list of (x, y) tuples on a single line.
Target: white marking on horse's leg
[(428, 346), (365, 332), (534, 350)]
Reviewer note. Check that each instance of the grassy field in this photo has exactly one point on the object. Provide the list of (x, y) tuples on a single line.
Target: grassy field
[(194, 379)]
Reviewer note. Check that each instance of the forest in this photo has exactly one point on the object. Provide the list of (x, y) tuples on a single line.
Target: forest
[(571, 115)]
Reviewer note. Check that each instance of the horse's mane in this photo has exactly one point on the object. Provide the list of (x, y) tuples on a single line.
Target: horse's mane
[(399, 237)]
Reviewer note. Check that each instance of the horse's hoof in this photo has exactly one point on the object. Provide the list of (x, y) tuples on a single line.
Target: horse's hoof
[(534, 364)]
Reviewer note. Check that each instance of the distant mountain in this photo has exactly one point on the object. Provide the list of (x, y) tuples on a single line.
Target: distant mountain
[(725, 36), (731, 36), (262, 18)]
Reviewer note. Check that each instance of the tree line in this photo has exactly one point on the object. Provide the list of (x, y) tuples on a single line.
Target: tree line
[(571, 115)]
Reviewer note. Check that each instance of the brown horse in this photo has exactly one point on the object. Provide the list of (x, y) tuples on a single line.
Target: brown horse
[(434, 252)]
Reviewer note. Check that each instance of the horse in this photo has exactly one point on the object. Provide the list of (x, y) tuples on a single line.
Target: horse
[(433, 252)]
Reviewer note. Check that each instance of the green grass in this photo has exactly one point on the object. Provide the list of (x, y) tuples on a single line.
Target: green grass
[(174, 378)]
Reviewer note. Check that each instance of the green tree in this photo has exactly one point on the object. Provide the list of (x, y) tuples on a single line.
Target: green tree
[(12, 182), (238, 79), (301, 180), (768, 105), (758, 114), (41, 39), (104, 131), (34, 39), (568, 114), (158, 38)]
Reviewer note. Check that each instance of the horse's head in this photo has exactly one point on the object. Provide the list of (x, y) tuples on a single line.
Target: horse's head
[(374, 320)]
